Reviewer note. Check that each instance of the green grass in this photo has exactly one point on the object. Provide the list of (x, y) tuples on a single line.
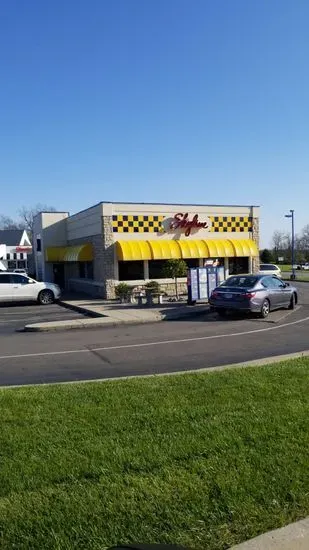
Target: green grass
[(204, 460), (285, 267), (301, 274)]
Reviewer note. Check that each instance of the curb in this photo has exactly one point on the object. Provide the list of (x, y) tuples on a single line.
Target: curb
[(292, 537), (100, 321), (79, 309)]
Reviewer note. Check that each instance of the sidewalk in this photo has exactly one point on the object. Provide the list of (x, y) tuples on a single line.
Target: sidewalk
[(292, 537), (103, 313)]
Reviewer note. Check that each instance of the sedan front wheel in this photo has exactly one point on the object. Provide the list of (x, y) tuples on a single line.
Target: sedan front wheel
[(292, 302)]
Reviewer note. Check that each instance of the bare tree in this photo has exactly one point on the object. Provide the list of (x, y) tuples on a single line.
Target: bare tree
[(27, 215), (303, 241), (8, 223), (279, 240)]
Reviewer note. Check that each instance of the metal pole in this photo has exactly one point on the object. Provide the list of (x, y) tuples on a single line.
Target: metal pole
[(293, 245)]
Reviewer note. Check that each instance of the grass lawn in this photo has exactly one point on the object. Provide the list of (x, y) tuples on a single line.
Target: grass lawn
[(285, 267), (204, 460), (301, 274)]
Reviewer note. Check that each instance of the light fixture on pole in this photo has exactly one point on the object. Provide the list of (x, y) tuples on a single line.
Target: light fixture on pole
[(291, 215)]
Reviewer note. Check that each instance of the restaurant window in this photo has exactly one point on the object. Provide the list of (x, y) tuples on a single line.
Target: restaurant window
[(156, 269), (8, 256), (21, 256), (192, 262), (85, 270), (14, 256), (237, 266), (131, 271)]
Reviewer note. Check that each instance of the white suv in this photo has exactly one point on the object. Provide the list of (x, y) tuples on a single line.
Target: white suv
[(269, 269), (15, 287)]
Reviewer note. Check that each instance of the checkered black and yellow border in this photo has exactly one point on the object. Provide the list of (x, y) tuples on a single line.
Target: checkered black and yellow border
[(231, 223), (137, 224), (153, 224)]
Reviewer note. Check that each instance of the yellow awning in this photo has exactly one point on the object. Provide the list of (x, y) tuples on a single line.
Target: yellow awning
[(165, 250), (55, 253), (194, 249), (162, 250), (221, 248), (81, 253), (245, 247), (133, 250)]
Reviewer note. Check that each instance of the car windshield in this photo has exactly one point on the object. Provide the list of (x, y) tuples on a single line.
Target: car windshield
[(245, 281)]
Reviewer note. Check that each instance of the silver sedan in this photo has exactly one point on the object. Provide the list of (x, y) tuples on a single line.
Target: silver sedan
[(253, 293)]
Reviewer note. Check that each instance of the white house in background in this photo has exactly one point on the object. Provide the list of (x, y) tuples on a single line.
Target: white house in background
[(15, 249)]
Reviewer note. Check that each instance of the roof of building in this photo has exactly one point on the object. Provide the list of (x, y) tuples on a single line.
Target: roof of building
[(11, 237), (158, 204)]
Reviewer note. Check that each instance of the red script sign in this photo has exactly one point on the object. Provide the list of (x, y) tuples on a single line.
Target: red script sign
[(182, 221)]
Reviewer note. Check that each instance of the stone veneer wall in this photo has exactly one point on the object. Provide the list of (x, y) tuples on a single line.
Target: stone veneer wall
[(256, 239), (107, 257), (103, 284)]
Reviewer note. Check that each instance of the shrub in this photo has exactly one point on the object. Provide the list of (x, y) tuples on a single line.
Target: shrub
[(153, 287), (122, 290)]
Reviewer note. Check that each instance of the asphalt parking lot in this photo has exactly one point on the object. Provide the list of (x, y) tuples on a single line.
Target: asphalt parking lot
[(167, 347), (15, 316)]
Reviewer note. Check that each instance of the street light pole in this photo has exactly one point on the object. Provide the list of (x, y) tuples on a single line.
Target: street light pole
[(291, 215)]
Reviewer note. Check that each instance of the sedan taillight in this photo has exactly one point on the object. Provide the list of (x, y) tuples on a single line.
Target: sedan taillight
[(249, 295)]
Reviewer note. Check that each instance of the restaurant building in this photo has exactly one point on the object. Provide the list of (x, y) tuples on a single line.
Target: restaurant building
[(95, 249), (15, 250)]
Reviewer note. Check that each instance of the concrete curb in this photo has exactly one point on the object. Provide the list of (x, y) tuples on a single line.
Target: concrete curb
[(292, 537), (100, 321), (80, 309)]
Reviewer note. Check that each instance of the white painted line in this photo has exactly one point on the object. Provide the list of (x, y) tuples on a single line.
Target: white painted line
[(287, 314), (149, 344)]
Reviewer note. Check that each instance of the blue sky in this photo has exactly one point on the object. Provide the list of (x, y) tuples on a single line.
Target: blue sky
[(156, 100)]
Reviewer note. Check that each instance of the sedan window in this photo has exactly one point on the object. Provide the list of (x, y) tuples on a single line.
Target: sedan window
[(277, 283), (246, 282), (271, 282)]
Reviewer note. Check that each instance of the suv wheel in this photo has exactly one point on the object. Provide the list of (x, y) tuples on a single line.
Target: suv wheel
[(46, 297)]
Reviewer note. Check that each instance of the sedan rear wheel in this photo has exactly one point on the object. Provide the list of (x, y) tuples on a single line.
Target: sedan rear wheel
[(46, 297), (265, 310)]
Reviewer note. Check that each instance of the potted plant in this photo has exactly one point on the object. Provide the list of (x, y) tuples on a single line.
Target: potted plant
[(152, 289), (122, 292)]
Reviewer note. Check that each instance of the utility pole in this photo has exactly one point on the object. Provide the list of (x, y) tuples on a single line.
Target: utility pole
[(291, 215)]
